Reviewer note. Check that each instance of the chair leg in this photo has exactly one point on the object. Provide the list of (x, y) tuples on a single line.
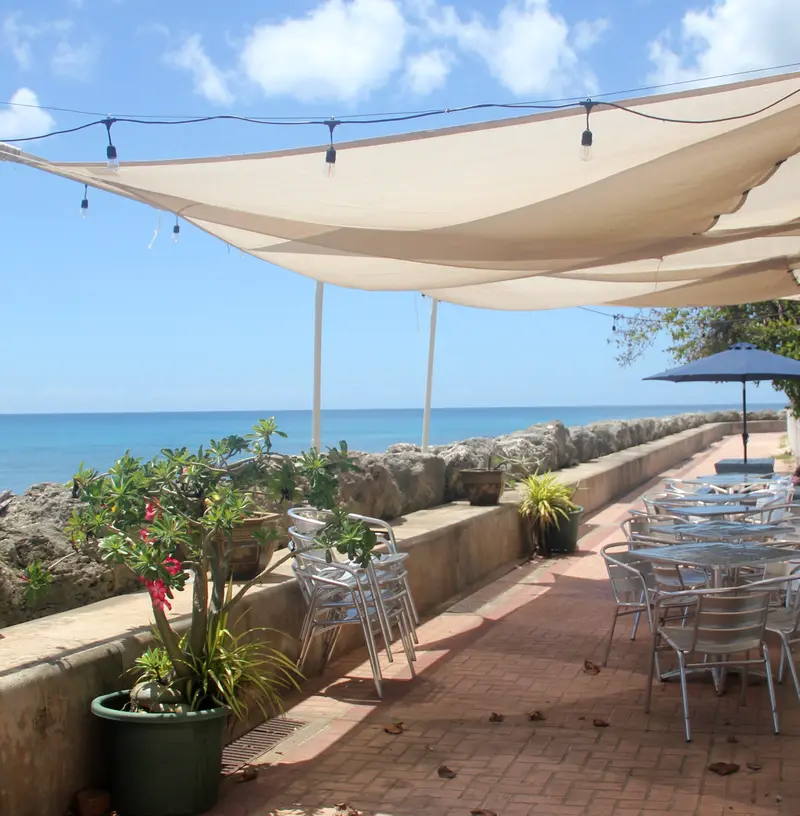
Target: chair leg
[(743, 693), (782, 660), (331, 644), (653, 662), (771, 688), (685, 696), (792, 668), (611, 635)]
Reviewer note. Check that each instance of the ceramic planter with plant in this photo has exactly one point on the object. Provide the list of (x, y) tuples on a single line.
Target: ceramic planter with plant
[(173, 522), (551, 516), (484, 486)]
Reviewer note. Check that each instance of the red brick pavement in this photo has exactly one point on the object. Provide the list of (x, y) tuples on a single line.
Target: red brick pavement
[(515, 646)]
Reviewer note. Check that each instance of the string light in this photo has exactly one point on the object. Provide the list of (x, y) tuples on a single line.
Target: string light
[(112, 162), (330, 156), (176, 231), (330, 153), (586, 137), (85, 201)]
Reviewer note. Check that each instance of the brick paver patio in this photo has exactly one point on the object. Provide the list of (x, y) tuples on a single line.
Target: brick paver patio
[(517, 646)]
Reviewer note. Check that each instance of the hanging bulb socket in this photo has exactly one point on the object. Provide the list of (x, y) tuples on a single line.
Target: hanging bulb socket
[(330, 153), (176, 231), (112, 161), (85, 201), (586, 137)]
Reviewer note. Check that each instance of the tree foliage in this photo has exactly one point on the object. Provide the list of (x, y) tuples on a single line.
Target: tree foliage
[(692, 333)]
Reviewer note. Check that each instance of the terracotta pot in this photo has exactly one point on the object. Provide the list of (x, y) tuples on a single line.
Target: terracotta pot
[(483, 487), (249, 554)]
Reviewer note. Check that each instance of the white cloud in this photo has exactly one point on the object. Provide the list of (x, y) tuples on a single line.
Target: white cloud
[(588, 33), (209, 80), (17, 37), (428, 71), (528, 49), (728, 36), (340, 51), (18, 120), (75, 62)]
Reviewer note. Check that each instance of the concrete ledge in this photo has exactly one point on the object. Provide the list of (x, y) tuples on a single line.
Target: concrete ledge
[(52, 667)]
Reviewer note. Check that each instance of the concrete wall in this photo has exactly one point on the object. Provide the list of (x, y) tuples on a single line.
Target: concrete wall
[(50, 747)]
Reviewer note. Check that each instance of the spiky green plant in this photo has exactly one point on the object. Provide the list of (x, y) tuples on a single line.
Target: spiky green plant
[(546, 501)]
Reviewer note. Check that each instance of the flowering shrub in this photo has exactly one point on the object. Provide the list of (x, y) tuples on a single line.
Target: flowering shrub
[(171, 521)]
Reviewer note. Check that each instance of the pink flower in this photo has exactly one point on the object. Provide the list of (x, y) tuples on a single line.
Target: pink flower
[(159, 593), (149, 512), (172, 565), (145, 535)]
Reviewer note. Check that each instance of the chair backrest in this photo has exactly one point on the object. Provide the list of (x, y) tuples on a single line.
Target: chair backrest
[(631, 576), (308, 519), (644, 528), (728, 622)]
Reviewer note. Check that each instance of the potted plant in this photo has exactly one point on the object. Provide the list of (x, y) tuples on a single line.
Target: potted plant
[(484, 486), (172, 521), (551, 515)]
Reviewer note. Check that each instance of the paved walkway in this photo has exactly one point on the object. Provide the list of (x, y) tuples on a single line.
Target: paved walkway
[(516, 646)]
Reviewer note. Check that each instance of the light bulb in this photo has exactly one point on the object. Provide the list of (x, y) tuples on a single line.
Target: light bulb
[(586, 145), (330, 162), (84, 208), (112, 162), (176, 233)]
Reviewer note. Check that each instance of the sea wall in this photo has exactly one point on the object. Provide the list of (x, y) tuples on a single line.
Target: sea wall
[(389, 485)]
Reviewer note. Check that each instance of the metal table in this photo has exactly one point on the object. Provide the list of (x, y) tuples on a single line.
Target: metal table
[(716, 557), (709, 511), (729, 530), (756, 466), (720, 498), (732, 479)]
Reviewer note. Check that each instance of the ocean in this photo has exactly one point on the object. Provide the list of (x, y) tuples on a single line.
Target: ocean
[(49, 447)]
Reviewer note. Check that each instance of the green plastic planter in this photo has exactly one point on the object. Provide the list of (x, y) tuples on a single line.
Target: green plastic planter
[(564, 539), (162, 764)]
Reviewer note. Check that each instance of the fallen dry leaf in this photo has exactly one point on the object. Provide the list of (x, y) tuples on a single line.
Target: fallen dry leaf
[(753, 766), (446, 773), (536, 716), (590, 668), (482, 812), (598, 723), (495, 717), (248, 774), (395, 729), (733, 740), (344, 809), (723, 768)]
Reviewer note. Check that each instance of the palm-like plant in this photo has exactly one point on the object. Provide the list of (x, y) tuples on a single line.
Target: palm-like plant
[(546, 502)]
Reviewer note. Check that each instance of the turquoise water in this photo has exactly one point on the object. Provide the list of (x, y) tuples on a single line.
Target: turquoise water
[(49, 447)]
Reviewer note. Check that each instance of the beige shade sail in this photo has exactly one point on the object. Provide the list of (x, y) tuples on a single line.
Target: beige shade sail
[(505, 215)]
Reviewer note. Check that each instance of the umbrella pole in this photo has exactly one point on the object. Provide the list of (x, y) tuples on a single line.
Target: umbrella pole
[(744, 422)]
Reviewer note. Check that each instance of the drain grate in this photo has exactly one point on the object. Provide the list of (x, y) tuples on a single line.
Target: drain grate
[(261, 739)]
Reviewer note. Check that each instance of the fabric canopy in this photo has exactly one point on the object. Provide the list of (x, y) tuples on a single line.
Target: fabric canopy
[(504, 214)]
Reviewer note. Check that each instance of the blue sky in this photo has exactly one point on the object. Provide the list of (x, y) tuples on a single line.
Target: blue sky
[(94, 320)]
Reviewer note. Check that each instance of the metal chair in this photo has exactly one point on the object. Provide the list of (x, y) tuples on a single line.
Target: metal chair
[(635, 584), (310, 520), (340, 594), (728, 625)]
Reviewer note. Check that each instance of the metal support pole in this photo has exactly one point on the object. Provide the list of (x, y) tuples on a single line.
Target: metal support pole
[(744, 422), (316, 433), (426, 416)]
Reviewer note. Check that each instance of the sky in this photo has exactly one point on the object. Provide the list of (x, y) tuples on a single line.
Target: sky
[(107, 313)]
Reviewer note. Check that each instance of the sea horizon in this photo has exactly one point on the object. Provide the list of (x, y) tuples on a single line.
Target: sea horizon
[(48, 447)]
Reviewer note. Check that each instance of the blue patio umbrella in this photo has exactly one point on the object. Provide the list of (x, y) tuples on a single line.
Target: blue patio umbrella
[(742, 362)]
